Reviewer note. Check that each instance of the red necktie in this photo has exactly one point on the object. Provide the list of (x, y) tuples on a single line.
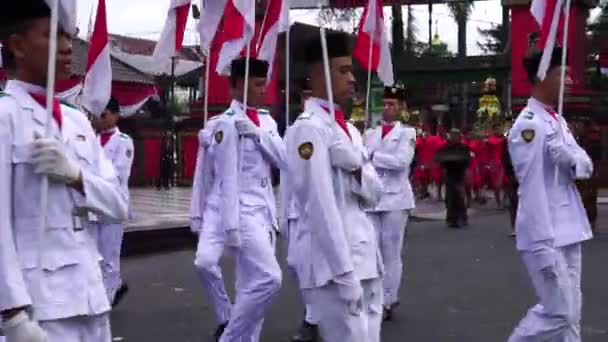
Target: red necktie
[(105, 137), (386, 129), (253, 116), (340, 121), (41, 99), (552, 113)]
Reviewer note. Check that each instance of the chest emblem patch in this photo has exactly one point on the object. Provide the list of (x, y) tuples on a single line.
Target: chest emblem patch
[(219, 136), (306, 150), (528, 135)]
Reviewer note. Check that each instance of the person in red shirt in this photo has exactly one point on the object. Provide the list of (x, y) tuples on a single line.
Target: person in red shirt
[(496, 145), (472, 174), (424, 160), (436, 142)]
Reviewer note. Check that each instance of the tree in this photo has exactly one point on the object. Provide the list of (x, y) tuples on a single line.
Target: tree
[(493, 40), (397, 31), (461, 11), (411, 30), (346, 19)]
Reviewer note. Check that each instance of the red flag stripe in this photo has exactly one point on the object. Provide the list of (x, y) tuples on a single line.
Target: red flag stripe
[(236, 28), (100, 34), (181, 18)]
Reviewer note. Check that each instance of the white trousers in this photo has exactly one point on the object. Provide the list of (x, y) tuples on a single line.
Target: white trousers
[(258, 276), (109, 244), (337, 324), (208, 254), (391, 230), (79, 329), (556, 318)]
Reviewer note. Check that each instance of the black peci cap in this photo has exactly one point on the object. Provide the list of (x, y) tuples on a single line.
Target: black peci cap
[(338, 45), (396, 92), (532, 62), (257, 68), (18, 11)]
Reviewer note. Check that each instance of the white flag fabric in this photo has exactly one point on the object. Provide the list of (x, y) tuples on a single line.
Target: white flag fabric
[(97, 88), (276, 20), (212, 12), (172, 36), (67, 15), (239, 27), (372, 35), (547, 14)]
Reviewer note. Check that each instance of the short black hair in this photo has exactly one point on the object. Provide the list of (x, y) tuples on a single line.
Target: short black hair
[(532, 63), (338, 45), (113, 106), (257, 68)]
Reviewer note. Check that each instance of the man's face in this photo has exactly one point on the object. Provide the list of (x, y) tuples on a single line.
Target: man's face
[(106, 120), (342, 78), (31, 50), (391, 108), (551, 84), (256, 89)]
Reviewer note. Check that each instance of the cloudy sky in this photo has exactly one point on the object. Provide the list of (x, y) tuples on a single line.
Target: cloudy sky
[(145, 18)]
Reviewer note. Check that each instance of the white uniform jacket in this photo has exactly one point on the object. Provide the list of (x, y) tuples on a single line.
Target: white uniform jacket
[(545, 155), (59, 274), (120, 151), (204, 176), (244, 165), (334, 237), (392, 157)]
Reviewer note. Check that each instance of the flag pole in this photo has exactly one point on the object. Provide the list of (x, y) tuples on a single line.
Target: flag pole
[(330, 94), (562, 85), (207, 70), (287, 80), (50, 90), (369, 81), (246, 85)]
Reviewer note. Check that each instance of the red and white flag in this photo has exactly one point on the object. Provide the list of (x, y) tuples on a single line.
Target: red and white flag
[(239, 27), (97, 88), (547, 14), (276, 20), (372, 32), (212, 12), (172, 37)]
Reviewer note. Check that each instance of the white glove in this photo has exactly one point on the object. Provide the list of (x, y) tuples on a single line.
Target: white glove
[(22, 329), (583, 167), (247, 128), (196, 224), (50, 159), (233, 238), (350, 290)]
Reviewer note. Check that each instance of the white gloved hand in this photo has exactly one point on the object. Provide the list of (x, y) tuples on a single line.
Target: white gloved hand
[(22, 329), (49, 158), (233, 238), (583, 167), (247, 128), (353, 295)]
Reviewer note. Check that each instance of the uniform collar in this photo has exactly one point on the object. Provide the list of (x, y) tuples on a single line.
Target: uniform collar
[(545, 108), (28, 87), (316, 105), (113, 130), (23, 90)]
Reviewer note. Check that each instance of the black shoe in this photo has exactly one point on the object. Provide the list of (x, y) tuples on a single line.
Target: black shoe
[(387, 314), (307, 333), (453, 225), (220, 331), (120, 294)]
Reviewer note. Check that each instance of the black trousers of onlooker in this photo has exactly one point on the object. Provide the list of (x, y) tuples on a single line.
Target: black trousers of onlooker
[(455, 203)]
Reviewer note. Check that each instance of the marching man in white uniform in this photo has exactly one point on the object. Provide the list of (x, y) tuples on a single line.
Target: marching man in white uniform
[(391, 147), (205, 221), (246, 146), (51, 287), (119, 149), (551, 220), (336, 253)]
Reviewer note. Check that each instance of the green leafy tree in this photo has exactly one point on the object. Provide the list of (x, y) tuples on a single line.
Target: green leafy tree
[(461, 11), (493, 39)]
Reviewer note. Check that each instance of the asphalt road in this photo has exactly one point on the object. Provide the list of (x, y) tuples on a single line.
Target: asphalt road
[(461, 286)]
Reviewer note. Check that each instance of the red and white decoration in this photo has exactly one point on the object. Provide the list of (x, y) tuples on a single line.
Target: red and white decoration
[(97, 87), (276, 20), (211, 16), (548, 14), (67, 15), (172, 37), (239, 28), (372, 32)]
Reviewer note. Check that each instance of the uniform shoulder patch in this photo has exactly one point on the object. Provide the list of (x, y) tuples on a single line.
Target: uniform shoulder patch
[(528, 135), (263, 111), (304, 116), (529, 115), (306, 150), (124, 136), (230, 112), (219, 136), (67, 104)]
